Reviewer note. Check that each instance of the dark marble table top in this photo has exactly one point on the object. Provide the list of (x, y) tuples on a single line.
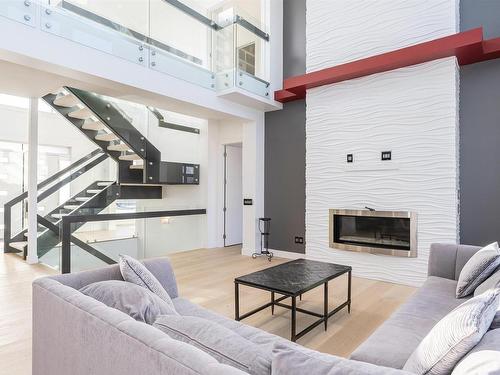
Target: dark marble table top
[(295, 277)]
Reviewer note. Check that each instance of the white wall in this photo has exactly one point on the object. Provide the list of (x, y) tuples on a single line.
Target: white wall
[(340, 31), (412, 111)]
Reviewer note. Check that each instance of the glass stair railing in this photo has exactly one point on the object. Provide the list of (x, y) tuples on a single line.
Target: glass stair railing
[(220, 48)]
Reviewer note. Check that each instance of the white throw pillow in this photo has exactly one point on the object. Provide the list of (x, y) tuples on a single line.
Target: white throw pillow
[(135, 272), (454, 335), (479, 267)]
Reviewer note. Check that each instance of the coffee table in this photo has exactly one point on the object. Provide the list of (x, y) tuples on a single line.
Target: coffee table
[(291, 280)]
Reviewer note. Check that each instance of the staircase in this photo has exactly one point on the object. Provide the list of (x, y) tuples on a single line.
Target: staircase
[(141, 172), (93, 199), (108, 127)]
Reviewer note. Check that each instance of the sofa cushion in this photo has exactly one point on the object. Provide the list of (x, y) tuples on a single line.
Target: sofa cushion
[(220, 342), (135, 272), (132, 299), (290, 359), (257, 336), (477, 269), (484, 359), (454, 335), (393, 342)]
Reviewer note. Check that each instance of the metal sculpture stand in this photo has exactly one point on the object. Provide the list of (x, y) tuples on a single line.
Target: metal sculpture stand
[(264, 229)]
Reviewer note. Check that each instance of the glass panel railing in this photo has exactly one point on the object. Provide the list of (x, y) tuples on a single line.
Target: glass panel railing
[(88, 192), (214, 47), (185, 36), (133, 15), (241, 51), (82, 26), (146, 232)]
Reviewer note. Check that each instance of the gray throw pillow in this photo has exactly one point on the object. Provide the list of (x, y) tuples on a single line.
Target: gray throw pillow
[(491, 282), (454, 335), (220, 342), (132, 299), (135, 272), (291, 359), (484, 359), (479, 267)]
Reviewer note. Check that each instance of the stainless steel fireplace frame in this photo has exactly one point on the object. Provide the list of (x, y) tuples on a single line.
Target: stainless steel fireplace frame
[(412, 253)]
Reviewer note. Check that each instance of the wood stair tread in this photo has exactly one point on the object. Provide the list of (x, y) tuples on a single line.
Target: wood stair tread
[(93, 191), (82, 199), (82, 114), (20, 245), (93, 125), (137, 166), (118, 147), (104, 183), (106, 137), (66, 101), (130, 157), (37, 233)]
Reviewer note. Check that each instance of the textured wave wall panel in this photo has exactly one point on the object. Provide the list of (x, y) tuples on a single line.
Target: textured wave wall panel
[(411, 111), (339, 31)]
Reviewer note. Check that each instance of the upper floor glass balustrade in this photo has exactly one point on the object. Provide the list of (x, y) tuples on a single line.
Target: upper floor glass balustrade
[(218, 47)]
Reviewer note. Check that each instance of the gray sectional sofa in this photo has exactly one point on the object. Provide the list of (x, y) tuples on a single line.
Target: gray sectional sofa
[(75, 334)]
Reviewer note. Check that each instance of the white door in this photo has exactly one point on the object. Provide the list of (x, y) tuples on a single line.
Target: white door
[(233, 196)]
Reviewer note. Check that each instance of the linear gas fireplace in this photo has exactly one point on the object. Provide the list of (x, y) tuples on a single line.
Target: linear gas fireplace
[(376, 232)]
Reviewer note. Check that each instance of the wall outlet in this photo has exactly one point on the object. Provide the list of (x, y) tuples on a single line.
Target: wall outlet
[(299, 239), (386, 155), (350, 158)]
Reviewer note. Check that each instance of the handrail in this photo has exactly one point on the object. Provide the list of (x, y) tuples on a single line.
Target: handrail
[(55, 176), (71, 177), (129, 32), (193, 13), (66, 236), (7, 214), (170, 125)]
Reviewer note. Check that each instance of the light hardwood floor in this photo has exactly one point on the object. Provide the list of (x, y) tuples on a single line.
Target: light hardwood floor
[(206, 277)]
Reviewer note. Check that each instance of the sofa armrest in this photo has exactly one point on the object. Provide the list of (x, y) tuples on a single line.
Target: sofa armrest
[(447, 260)]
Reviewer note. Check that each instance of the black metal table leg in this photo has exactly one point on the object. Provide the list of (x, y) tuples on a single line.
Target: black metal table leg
[(272, 302), (349, 292), (294, 317), (236, 301), (325, 306)]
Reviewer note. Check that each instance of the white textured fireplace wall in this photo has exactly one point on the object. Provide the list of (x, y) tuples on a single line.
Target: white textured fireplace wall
[(412, 112)]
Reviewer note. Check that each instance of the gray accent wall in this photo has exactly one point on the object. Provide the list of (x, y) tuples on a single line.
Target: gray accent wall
[(285, 146), (480, 132)]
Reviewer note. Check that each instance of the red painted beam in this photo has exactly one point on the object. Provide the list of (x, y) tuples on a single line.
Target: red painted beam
[(467, 46)]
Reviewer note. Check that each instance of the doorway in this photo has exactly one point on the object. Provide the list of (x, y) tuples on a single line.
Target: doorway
[(233, 195)]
